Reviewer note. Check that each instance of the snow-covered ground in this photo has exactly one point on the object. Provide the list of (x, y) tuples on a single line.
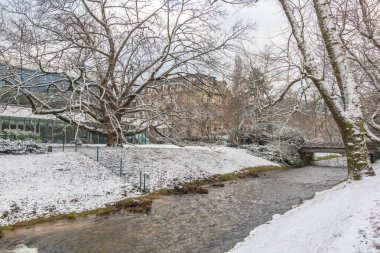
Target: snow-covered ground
[(344, 219), (37, 185), (168, 165)]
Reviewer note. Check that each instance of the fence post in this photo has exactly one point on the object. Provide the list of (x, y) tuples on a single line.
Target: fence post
[(144, 184), (97, 154), (63, 145), (76, 145), (140, 181), (121, 167)]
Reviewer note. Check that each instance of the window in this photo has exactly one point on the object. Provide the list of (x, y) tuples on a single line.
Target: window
[(4, 124)]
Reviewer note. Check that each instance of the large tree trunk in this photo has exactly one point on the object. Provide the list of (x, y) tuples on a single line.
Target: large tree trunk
[(114, 138), (111, 135), (114, 133), (119, 138), (110, 138), (358, 162)]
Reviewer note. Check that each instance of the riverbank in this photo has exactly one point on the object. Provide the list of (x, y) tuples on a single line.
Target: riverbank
[(345, 219), (143, 204), (64, 185)]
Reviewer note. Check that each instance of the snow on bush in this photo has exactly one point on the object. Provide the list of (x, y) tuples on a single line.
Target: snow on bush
[(291, 137), (269, 152), (282, 149), (22, 135), (21, 147)]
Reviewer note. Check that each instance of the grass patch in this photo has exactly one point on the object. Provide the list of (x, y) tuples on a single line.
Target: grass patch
[(217, 180), (301, 163), (327, 157), (143, 204)]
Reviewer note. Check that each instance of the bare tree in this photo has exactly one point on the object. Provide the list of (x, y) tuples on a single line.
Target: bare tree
[(246, 111), (95, 58), (331, 73), (360, 33)]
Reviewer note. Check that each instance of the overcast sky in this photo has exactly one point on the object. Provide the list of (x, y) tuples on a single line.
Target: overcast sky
[(268, 18)]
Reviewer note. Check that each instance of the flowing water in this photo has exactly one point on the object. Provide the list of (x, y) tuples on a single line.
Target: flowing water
[(189, 223)]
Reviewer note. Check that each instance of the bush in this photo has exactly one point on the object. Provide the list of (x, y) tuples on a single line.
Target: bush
[(17, 134), (20, 147), (278, 153), (282, 149), (291, 137), (269, 152), (290, 140)]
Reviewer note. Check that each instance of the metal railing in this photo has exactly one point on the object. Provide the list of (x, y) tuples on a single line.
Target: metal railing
[(116, 164)]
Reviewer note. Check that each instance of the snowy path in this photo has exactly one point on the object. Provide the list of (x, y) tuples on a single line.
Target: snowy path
[(343, 219)]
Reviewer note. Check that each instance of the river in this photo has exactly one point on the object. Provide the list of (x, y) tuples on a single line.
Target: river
[(210, 223)]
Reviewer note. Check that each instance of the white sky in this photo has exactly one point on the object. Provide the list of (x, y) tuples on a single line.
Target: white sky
[(268, 18)]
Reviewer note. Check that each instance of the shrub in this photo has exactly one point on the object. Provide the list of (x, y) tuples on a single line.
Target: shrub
[(269, 152), (291, 137), (282, 149), (20, 147), (17, 134)]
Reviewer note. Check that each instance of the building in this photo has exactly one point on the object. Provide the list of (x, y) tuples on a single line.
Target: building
[(50, 128), (192, 104)]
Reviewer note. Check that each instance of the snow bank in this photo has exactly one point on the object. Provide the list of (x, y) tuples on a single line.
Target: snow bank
[(168, 165), (345, 219), (36, 185)]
